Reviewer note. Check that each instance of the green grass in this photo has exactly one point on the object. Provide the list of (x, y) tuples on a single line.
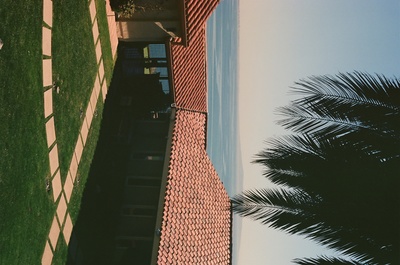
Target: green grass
[(60, 256), (90, 147), (26, 209), (62, 251), (86, 161), (105, 40), (74, 65)]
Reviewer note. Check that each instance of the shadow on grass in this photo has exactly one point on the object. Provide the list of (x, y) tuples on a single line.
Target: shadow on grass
[(92, 240)]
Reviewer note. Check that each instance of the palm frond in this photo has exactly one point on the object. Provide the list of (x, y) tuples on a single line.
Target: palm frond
[(335, 106), (287, 157), (355, 88), (295, 212), (299, 161), (261, 204), (325, 260), (347, 179)]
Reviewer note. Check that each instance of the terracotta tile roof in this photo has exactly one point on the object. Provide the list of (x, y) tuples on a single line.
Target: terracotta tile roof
[(189, 74), (196, 218), (195, 14)]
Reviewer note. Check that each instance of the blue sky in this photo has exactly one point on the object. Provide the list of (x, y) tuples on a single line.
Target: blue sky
[(281, 42), (222, 49), (222, 129)]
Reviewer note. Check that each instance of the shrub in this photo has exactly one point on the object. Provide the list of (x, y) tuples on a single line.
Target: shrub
[(126, 8)]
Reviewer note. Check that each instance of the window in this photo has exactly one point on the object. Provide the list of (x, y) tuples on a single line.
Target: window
[(157, 51)]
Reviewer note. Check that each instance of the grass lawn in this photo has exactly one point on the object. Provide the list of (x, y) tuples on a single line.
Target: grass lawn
[(26, 209), (74, 65), (74, 57), (105, 40), (60, 256)]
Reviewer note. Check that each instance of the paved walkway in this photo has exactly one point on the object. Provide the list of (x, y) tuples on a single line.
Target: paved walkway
[(112, 28), (62, 222)]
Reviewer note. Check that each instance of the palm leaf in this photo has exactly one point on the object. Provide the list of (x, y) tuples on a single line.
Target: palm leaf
[(263, 204), (296, 212), (297, 161), (324, 260), (321, 168), (335, 106)]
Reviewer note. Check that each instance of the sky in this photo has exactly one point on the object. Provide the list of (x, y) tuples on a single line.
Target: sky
[(222, 49), (281, 42), (222, 133)]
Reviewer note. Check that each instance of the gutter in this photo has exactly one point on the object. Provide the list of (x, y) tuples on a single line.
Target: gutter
[(161, 200), (182, 8)]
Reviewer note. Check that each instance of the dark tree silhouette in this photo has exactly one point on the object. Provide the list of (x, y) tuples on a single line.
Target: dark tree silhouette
[(339, 171)]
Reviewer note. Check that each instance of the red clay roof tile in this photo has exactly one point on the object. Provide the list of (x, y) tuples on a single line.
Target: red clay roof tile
[(196, 219), (189, 74), (196, 12)]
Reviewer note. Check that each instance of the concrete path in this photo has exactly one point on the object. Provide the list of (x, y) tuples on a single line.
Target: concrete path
[(112, 28), (62, 222)]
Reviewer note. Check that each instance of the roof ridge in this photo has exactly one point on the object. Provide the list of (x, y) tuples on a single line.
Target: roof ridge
[(190, 110)]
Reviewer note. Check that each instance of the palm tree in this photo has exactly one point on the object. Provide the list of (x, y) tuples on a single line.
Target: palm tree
[(339, 171), (326, 260)]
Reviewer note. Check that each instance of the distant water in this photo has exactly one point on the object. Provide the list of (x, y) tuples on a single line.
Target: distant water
[(222, 131), (222, 60)]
